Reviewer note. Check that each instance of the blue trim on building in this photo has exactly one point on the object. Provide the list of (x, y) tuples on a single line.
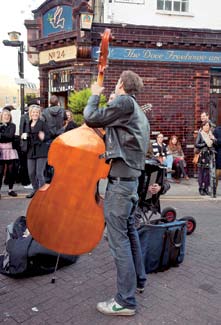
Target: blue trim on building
[(143, 54)]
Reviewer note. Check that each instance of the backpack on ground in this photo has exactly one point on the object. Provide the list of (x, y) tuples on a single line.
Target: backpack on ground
[(23, 256)]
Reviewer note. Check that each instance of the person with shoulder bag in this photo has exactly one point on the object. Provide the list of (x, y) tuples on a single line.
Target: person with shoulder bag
[(205, 143)]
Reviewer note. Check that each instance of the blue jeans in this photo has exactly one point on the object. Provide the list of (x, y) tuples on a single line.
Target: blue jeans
[(119, 205), (168, 163)]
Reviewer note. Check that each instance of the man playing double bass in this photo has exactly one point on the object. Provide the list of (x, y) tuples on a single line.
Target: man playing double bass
[(126, 140)]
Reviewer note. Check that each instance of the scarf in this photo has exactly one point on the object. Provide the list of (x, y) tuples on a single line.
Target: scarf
[(206, 138)]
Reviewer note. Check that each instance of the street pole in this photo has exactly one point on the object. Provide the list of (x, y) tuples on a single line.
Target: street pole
[(14, 42), (21, 75)]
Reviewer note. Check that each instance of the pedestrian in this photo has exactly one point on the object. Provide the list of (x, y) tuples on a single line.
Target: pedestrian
[(179, 163), (204, 117), (54, 116), (217, 135), (126, 141), (37, 137), (205, 143), (8, 155), (69, 123), (15, 116), (24, 128), (161, 152)]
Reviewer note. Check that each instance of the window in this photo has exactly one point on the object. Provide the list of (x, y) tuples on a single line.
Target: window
[(173, 5), (61, 80), (215, 84), (6, 100)]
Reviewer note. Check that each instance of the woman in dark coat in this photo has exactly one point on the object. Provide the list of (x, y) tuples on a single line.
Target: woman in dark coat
[(217, 135), (8, 155), (37, 137), (205, 143)]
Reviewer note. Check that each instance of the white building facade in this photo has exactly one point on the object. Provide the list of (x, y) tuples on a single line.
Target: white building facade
[(166, 13)]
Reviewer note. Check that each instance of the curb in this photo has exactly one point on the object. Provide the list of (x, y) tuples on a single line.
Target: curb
[(190, 198), (7, 197)]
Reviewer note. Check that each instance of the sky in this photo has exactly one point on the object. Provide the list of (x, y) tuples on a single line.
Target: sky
[(12, 16)]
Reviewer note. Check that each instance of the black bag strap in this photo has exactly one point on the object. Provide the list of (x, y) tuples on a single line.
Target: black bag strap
[(172, 240), (165, 238), (175, 243)]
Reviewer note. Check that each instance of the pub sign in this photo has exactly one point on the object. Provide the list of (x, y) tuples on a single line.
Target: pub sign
[(57, 19)]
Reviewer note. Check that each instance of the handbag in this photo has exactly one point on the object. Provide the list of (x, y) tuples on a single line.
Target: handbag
[(196, 158), (24, 145)]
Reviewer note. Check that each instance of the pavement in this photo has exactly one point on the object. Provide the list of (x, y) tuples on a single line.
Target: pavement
[(189, 294)]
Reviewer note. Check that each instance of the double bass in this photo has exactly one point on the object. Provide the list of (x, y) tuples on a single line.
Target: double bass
[(65, 215)]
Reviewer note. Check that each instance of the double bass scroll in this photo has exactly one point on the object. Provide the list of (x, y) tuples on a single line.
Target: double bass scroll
[(103, 55)]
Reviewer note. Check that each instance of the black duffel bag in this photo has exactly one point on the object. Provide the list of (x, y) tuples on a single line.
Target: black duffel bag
[(163, 245)]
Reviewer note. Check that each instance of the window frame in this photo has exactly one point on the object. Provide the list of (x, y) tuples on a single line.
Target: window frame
[(172, 11)]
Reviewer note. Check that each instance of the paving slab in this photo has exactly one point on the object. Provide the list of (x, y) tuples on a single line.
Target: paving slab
[(189, 294)]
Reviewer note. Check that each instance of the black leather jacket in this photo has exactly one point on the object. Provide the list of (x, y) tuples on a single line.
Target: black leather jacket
[(127, 128), (7, 132), (201, 144)]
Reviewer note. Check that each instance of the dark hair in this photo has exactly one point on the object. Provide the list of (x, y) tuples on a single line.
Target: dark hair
[(54, 100), (204, 112), (34, 101), (9, 108), (205, 122), (131, 81)]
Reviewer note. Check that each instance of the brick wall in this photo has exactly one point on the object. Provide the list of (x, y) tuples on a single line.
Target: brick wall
[(178, 95), (178, 92)]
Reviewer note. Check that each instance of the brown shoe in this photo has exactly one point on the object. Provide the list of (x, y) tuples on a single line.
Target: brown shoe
[(186, 177)]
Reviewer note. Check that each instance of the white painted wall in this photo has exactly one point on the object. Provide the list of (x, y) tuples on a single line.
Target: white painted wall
[(202, 14)]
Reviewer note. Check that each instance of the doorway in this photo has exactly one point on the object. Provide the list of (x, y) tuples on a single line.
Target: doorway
[(215, 97)]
